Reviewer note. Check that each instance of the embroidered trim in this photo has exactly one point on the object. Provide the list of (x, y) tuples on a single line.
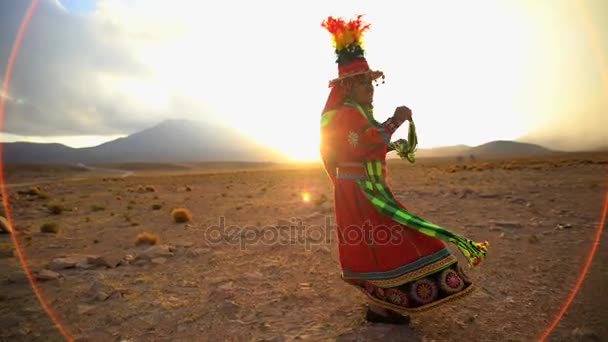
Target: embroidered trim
[(415, 275), (401, 270)]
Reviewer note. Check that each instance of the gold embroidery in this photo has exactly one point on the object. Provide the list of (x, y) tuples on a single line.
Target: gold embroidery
[(411, 276), (353, 138)]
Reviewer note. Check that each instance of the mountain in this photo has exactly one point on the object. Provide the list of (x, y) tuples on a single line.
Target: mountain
[(499, 148), (503, 148), (169, 141)]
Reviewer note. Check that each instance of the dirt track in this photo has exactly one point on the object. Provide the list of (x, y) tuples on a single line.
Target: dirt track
[(539, 217)]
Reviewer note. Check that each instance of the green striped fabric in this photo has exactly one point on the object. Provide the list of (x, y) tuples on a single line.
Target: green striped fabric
[(406, 149), (381, 197)]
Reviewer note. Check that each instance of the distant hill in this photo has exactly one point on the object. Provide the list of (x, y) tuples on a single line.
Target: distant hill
[(502, 148), (499, 148), (169, 141)]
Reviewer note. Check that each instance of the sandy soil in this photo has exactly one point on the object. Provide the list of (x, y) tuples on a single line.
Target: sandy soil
[(259, 279)]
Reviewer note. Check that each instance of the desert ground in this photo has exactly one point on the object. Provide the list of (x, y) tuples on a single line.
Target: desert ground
[(260, 279)]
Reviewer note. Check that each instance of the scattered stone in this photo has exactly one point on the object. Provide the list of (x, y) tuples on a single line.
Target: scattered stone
[(155, 252), (585, 334), (226, 286), (465, 193), (314, 215), (64, 263), (45, 275), (83, 265), (193, 253), (563, 226), (83, 308), (518, 201), (533, 239), (55, 246), (253, 276), (507, 224), (101, 292), (159, 261), (109, 261), (489, 195)]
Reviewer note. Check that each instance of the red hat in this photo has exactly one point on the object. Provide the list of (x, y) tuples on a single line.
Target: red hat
[(347, 38)]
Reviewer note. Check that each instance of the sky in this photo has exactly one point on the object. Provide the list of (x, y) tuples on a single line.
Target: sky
[(471, 71)]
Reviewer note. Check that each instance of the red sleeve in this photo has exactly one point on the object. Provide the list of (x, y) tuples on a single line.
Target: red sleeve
[(391, 125), (352, 137)]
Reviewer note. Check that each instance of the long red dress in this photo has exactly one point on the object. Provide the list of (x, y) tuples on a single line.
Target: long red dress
[(395, 266)]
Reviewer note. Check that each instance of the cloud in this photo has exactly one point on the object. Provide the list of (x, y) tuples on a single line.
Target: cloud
[(72, 69)]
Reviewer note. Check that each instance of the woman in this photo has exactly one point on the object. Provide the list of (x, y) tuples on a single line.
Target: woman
[(400, 261)]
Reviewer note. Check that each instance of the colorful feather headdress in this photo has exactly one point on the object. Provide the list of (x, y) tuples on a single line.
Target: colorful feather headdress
[(347, 39)]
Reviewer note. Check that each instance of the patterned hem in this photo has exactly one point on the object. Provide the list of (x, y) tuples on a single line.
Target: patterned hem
[(423, 289), (404, 310)]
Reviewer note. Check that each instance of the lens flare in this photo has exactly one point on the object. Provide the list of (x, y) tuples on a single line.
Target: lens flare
[(305, 197)]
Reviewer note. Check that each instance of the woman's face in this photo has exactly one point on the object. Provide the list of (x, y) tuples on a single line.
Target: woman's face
[(363, 91)]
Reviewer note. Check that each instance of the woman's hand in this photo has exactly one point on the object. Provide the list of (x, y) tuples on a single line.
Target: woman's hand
[(402, 113)]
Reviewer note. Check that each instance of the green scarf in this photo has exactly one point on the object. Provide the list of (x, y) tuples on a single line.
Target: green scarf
[(376, 191)]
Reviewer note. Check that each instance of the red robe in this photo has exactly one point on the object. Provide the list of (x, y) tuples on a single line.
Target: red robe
[(403, 265)]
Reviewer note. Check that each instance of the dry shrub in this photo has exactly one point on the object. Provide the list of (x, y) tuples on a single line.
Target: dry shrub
[(156, 206), (150, 188), (146, 238), (96, 207), (188, 188), (181, 215), (50, 227), (55, 209), (322, 199)]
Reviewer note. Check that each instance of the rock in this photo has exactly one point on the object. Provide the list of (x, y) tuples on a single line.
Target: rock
[(85, 265), (489, 195), (63, 263), (101, 292), (159, 260), (563, 226), (226, 286), (465, 193), (5, 228), (253, 276), (109, 261), (193, 253), (45, 275), (83, 308), (314, 215), (156, 252), (585, 334), (507, 224)]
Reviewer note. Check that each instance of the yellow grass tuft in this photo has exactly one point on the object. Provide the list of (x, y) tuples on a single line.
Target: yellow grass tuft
[(146, 238), (181, 215), (50, 227)]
